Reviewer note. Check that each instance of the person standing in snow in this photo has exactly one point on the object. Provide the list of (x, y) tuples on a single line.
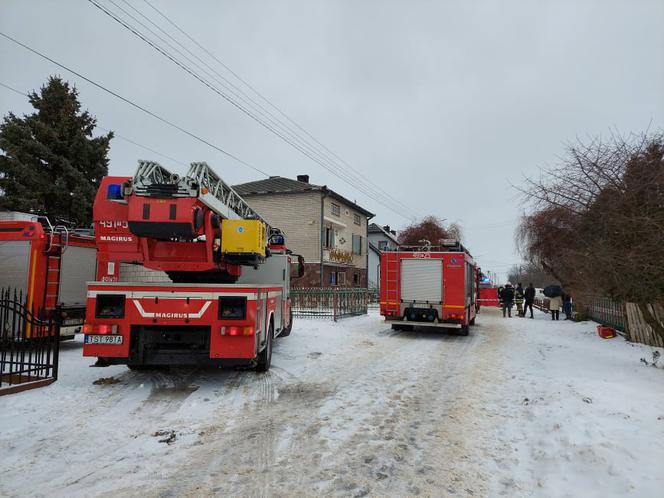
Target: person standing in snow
[(507, 297), (518, 299), (567, 305), (529, 295), (554, 307), (500, 296)]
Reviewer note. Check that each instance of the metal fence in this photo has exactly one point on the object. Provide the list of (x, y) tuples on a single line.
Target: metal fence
[(606, 311), (29, 345), (329, 302), (373, 298)]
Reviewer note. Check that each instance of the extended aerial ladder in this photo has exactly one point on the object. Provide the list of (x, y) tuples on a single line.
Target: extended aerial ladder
[(196, 227)]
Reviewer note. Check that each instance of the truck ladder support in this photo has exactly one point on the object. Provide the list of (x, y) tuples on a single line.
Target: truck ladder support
[(226, 198)]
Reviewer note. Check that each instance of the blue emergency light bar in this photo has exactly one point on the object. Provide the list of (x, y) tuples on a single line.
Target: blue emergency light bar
[(114, 192)]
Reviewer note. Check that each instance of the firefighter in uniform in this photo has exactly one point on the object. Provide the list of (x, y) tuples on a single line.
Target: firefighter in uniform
[(507, 300), (518, 299)]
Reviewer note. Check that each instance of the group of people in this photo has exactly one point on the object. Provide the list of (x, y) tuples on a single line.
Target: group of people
[(525, 298)]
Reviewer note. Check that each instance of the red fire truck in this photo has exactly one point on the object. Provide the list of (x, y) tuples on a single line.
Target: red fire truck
[(429, 286), (228, 296), (48, 266)]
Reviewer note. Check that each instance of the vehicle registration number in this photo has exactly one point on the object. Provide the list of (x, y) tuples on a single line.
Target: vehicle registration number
[(103, 339)]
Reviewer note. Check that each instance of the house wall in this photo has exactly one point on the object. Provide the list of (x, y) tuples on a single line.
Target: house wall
[(345, 228), (297, 215), (374, 275)]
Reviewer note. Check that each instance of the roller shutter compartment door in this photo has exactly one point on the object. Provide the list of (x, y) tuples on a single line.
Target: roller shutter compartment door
[(422, 280), (14, 263)]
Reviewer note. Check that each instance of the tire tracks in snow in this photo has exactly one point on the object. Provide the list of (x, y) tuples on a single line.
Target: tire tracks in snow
[(385, 395)]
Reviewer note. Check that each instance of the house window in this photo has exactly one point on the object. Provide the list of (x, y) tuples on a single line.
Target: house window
[(356, 219), (341, 278), (356, 278), (329, 237), (333, 278), (336, 209), (357, 244), (382, 245)]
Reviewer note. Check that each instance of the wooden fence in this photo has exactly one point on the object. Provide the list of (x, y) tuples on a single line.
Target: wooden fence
[(625, 317), (639, 330)]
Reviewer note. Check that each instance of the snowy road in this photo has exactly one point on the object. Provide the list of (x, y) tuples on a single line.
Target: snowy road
[(519, 408)]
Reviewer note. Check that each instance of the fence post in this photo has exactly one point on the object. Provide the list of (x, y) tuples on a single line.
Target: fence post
[(335, 301)]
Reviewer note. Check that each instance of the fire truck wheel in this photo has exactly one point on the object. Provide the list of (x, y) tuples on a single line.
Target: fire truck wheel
[(287, 330), (140, 367), (265, 357), (465, 329)]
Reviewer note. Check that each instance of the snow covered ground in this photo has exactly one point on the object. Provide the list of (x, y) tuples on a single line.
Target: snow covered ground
[(519, 408)]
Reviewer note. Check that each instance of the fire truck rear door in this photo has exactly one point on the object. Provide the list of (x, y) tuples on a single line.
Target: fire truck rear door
[(78, 266), (14, 265), (422, 280)]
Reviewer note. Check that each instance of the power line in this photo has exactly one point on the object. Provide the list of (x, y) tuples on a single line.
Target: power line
[(277, 129), (115, 134), (14, 90), (270, 127), (261, 96), (135, 105)]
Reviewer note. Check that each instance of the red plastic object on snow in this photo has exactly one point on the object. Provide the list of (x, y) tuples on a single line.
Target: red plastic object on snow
[(606, 332)]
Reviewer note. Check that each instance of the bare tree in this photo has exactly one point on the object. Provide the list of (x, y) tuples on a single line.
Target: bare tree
[(431, 229), (528, 273), (597, 220)]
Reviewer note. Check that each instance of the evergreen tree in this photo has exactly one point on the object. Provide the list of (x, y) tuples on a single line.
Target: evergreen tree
[(49, 162)]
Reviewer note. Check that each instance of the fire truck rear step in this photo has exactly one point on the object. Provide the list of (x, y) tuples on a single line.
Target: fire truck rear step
[(169, 345)]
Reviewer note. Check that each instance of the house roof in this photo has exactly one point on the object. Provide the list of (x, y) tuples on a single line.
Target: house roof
[(375, 228), (281, 185)]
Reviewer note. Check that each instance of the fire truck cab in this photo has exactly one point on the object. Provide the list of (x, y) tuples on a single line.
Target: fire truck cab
[(429, 287)]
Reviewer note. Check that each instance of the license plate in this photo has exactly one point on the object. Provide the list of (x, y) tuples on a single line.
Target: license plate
[(103, 339)]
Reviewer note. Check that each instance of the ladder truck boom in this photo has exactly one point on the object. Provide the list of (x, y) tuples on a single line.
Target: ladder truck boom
[(196, 227)]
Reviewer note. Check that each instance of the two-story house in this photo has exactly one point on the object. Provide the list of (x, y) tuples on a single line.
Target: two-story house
[(380, 239), (329, 230)]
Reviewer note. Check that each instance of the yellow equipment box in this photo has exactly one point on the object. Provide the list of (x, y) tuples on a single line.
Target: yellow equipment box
[(243, 241)]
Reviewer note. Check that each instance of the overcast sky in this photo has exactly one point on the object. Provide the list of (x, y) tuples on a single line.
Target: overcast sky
[(443, 104)]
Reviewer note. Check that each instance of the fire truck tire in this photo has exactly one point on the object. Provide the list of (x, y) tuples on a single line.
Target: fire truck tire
[(140, 367), (264, 359), (285, 332), (465, 329)]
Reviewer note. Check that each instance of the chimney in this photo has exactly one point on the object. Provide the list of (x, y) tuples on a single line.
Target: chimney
[(387, 228), (393, 232), (303, 178)]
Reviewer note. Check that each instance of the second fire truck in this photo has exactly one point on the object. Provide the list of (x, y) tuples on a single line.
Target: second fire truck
[(228, 291), (429, 287), (47, 266)]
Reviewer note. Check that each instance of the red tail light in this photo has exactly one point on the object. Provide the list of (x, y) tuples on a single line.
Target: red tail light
[(237, 330), (89, 328)]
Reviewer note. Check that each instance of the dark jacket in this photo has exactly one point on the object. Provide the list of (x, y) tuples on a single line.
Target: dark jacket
[(518, 295), (529, 294), (508, 295)]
